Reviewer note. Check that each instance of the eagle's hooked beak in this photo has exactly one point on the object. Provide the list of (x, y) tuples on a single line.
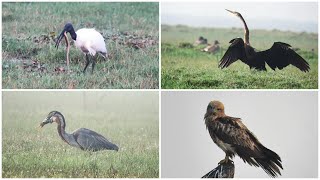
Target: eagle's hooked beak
[(209, 112), (45, 121)]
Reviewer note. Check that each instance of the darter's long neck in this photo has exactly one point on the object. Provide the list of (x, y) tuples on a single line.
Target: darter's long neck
[(246, 31)]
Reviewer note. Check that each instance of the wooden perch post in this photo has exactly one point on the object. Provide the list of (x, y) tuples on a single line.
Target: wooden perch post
[(225, 170)]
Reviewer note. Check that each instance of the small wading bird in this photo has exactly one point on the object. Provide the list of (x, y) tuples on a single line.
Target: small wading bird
[(280, 55), (233, 137), (89, 41), (82, 138)]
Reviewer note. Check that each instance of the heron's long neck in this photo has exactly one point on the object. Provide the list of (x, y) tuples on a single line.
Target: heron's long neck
[(61, 130), (246, 31)]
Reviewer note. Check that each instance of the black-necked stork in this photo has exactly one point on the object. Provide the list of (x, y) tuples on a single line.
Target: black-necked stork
[(89, 41)]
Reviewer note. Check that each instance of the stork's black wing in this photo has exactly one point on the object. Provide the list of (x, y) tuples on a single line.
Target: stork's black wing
[(281, 55), (92, 141), (235, 51)]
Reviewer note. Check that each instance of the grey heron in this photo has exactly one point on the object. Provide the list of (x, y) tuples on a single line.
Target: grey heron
[(82, 138)]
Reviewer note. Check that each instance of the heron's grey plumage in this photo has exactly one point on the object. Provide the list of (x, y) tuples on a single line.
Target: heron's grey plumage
[(82, 138), (90, 140)]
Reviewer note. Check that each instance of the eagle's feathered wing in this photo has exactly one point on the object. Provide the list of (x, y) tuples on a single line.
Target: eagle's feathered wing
[(236, 138)]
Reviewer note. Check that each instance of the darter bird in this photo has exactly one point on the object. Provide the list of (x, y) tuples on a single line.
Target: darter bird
[(280, 55)]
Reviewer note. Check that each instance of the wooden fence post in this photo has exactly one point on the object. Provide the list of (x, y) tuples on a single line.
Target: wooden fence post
[(225, 170)]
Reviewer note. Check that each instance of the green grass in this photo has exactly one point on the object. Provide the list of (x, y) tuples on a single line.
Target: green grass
[(189, 68), (128, 119), (26, 38)]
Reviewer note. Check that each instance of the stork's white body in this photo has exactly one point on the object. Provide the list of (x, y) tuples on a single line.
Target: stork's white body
[(90, 41)]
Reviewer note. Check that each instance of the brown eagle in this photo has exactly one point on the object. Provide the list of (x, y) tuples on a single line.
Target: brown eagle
[(233, 137)]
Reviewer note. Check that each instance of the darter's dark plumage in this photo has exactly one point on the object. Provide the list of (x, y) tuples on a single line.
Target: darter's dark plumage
[(234, 138), (280, 55)]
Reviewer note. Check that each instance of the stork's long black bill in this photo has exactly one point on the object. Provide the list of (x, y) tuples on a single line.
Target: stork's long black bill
[(60, 38)]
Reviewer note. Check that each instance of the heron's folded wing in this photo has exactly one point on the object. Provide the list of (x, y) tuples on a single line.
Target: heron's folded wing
[(90, 140)]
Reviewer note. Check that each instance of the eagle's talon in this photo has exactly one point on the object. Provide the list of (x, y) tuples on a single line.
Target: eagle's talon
[(225, 161), (221, 162)]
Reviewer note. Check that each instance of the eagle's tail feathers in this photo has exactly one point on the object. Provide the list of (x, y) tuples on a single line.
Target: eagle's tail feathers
[(270, 162), (269, 167), (272, 156)]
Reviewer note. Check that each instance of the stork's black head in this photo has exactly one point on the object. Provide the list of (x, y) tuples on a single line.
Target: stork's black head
[(67, 28)]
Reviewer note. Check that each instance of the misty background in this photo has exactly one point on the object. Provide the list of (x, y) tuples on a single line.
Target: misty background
[(285, 16), (108, 103), (86, 107), (285, 122), (130, 119)]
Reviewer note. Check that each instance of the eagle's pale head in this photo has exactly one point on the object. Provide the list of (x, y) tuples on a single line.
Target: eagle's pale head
[(215, 108)]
